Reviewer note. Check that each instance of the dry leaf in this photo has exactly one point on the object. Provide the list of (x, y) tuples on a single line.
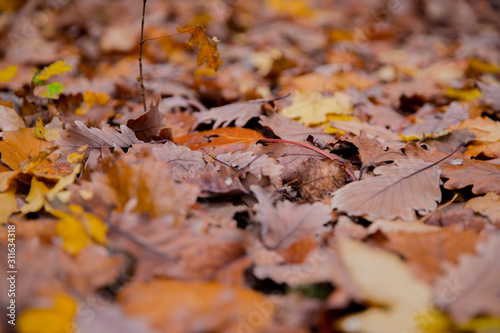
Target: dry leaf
[(460, 170), (408, 185), (10, 120), (18, 146), (471, 288), (283, 224), (372, 131), (319, 178), (207, 48), (381, 277), (149, 126), (240, 113), (487, 205), (196, 306)]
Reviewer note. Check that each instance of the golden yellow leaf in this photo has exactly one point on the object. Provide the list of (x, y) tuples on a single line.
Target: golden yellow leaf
[(36, 197), (207, 48), (59, 318), (191, 305), (8, 204), (482, 66), (312, 108), (463, 95), (298, 8), (57, 67), (8, 73), (43, 133), (381, 276)]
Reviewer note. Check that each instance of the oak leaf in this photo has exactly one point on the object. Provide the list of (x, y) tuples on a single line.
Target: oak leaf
[(471, 288), (404, 187), (460, 170), (149, 126), (78, 134), (487, 205), (284, 223), (240, 113), (207, 48), (196, 306)]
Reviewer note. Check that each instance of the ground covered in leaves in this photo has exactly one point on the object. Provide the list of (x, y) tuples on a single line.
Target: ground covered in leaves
[(302, 166)]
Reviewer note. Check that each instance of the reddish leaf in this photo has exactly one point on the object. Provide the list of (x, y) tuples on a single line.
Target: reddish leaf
[(237, 138), (149, 125)]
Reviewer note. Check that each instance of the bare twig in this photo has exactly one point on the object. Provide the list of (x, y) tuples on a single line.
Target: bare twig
[(141, 42)]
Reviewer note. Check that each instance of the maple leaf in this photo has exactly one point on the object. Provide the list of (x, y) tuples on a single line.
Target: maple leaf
[(78, 134), (380, 276), (407, 185), (460, 170), (207, 48), (471, 288), (283, 224)]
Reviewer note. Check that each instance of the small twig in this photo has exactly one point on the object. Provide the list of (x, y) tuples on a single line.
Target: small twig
[(141, 42)]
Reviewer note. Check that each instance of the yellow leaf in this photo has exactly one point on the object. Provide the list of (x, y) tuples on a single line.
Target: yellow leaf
[(423, 136), (36, 197), (8, 204), (8, 73), (312, 108), (463, 95), (77, 227), (43, 133), (91, 98), (58, 67), (381, 276), (207, 48), (298, 8), (482, 66), (59, 318)]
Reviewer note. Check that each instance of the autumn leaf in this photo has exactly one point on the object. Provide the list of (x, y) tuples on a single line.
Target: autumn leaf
[(207, 48), (487, 205), (58, 67), (18, 146), (149, 125), (9, 204), (232, 137), (10, 120), (312, 108), (8, 73), (380, 277), (195, 305), (283, 224), (48, 320), (408, 185)]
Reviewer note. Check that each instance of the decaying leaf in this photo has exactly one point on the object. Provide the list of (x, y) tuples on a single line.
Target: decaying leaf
[(408, 185), (149, 125), (471, 288), (207, 48), (240, 113), (78, 134), (284, 223), (319, 178), (461, 170), (380, 277)]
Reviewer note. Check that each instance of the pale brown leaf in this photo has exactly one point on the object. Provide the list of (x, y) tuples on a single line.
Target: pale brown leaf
[(10, 120), (404, 187), (149, 125), (284, 223), (471, 288)]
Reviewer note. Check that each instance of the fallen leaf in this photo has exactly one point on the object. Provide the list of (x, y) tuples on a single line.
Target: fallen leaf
[(149, 126), (372, 131), (195, 306), (312, 108), (230, 137), (58, 67), (48, 320), (8, 73), (18, 146), (10, 120), (240, 113), (471, 287), (404, 187), (380, 277), (207, 48), (9, 204), (283, 224), (319, 178), (490, 94), (78, 134), (487, 205), (371, 152), (460, 170)]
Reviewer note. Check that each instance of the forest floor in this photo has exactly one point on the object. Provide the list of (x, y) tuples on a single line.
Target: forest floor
[(297, 166)]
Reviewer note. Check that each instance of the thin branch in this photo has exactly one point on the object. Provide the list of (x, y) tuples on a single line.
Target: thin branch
[(141, 42)]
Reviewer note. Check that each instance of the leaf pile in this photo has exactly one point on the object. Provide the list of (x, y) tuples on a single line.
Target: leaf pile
[(334, 166)]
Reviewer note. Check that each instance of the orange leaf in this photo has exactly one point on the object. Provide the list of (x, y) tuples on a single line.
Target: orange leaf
[(218, 137), (207, 51), (18, 146)]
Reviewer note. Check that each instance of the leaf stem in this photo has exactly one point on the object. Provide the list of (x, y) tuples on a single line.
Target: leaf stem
[(141, 42)]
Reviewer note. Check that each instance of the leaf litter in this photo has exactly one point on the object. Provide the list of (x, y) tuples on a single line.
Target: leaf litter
[(229, 206)]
